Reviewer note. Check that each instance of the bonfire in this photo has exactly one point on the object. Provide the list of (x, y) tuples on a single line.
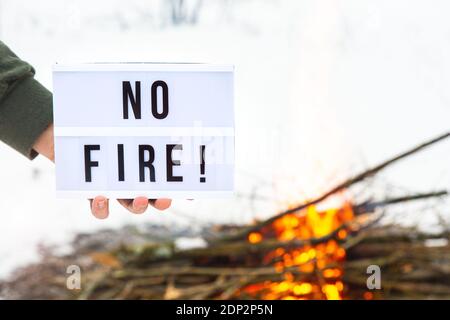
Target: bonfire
[(321, 249)]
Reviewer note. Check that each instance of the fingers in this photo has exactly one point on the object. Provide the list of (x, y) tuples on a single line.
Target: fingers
[(100, 207), (140, 204), (161, 204), (137, 206)]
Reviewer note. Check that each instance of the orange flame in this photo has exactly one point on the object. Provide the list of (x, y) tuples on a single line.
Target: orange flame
[(309, 271)]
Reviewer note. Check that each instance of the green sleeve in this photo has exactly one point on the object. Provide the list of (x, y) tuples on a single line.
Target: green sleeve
[(25, 105)]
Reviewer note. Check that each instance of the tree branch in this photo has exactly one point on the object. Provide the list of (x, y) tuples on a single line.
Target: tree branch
[(344, 185)]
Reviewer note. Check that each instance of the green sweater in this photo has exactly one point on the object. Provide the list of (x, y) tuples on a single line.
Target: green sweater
[(25, 105)]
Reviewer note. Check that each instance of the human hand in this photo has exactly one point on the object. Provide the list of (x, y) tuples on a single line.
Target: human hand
[(99, 205)]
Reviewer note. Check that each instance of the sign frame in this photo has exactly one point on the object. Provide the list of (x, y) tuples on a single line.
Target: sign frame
[(64, 131)]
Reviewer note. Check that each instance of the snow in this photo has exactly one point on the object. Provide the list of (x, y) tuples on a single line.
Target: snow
[(324, 88), (185, 243)]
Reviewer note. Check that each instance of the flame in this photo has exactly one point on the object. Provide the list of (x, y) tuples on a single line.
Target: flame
[(309, 271), (254, 237)]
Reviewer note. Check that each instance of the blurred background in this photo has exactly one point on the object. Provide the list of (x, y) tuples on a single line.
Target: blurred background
[(324, 89)]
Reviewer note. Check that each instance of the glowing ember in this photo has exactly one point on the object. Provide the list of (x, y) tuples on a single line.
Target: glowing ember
[(255, 237), (309, 271)]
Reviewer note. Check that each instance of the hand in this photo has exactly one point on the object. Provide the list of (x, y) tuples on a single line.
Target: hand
[(100, 205)]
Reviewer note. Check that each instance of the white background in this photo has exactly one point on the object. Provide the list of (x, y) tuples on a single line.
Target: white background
[(323, 89)]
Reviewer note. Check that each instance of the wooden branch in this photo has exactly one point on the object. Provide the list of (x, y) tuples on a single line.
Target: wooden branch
[(201, 271), (243, 233), (371, 206), (242, 248)]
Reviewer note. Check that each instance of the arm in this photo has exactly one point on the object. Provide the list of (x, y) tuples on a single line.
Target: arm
[(25, 105)]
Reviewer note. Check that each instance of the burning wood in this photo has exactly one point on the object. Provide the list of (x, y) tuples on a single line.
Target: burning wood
[(342, 186), (310, 251)]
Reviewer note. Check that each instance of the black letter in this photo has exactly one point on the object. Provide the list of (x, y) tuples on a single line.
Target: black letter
[(165, 95), (146, 163), (127, 92), (88, 164), (171, 163), (120, 162)]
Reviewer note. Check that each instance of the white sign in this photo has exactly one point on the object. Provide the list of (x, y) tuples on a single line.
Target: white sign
[(144, 129)]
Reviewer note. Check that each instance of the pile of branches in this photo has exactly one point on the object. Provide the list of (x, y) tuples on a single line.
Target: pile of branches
[(413, 264), (412, 267)]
